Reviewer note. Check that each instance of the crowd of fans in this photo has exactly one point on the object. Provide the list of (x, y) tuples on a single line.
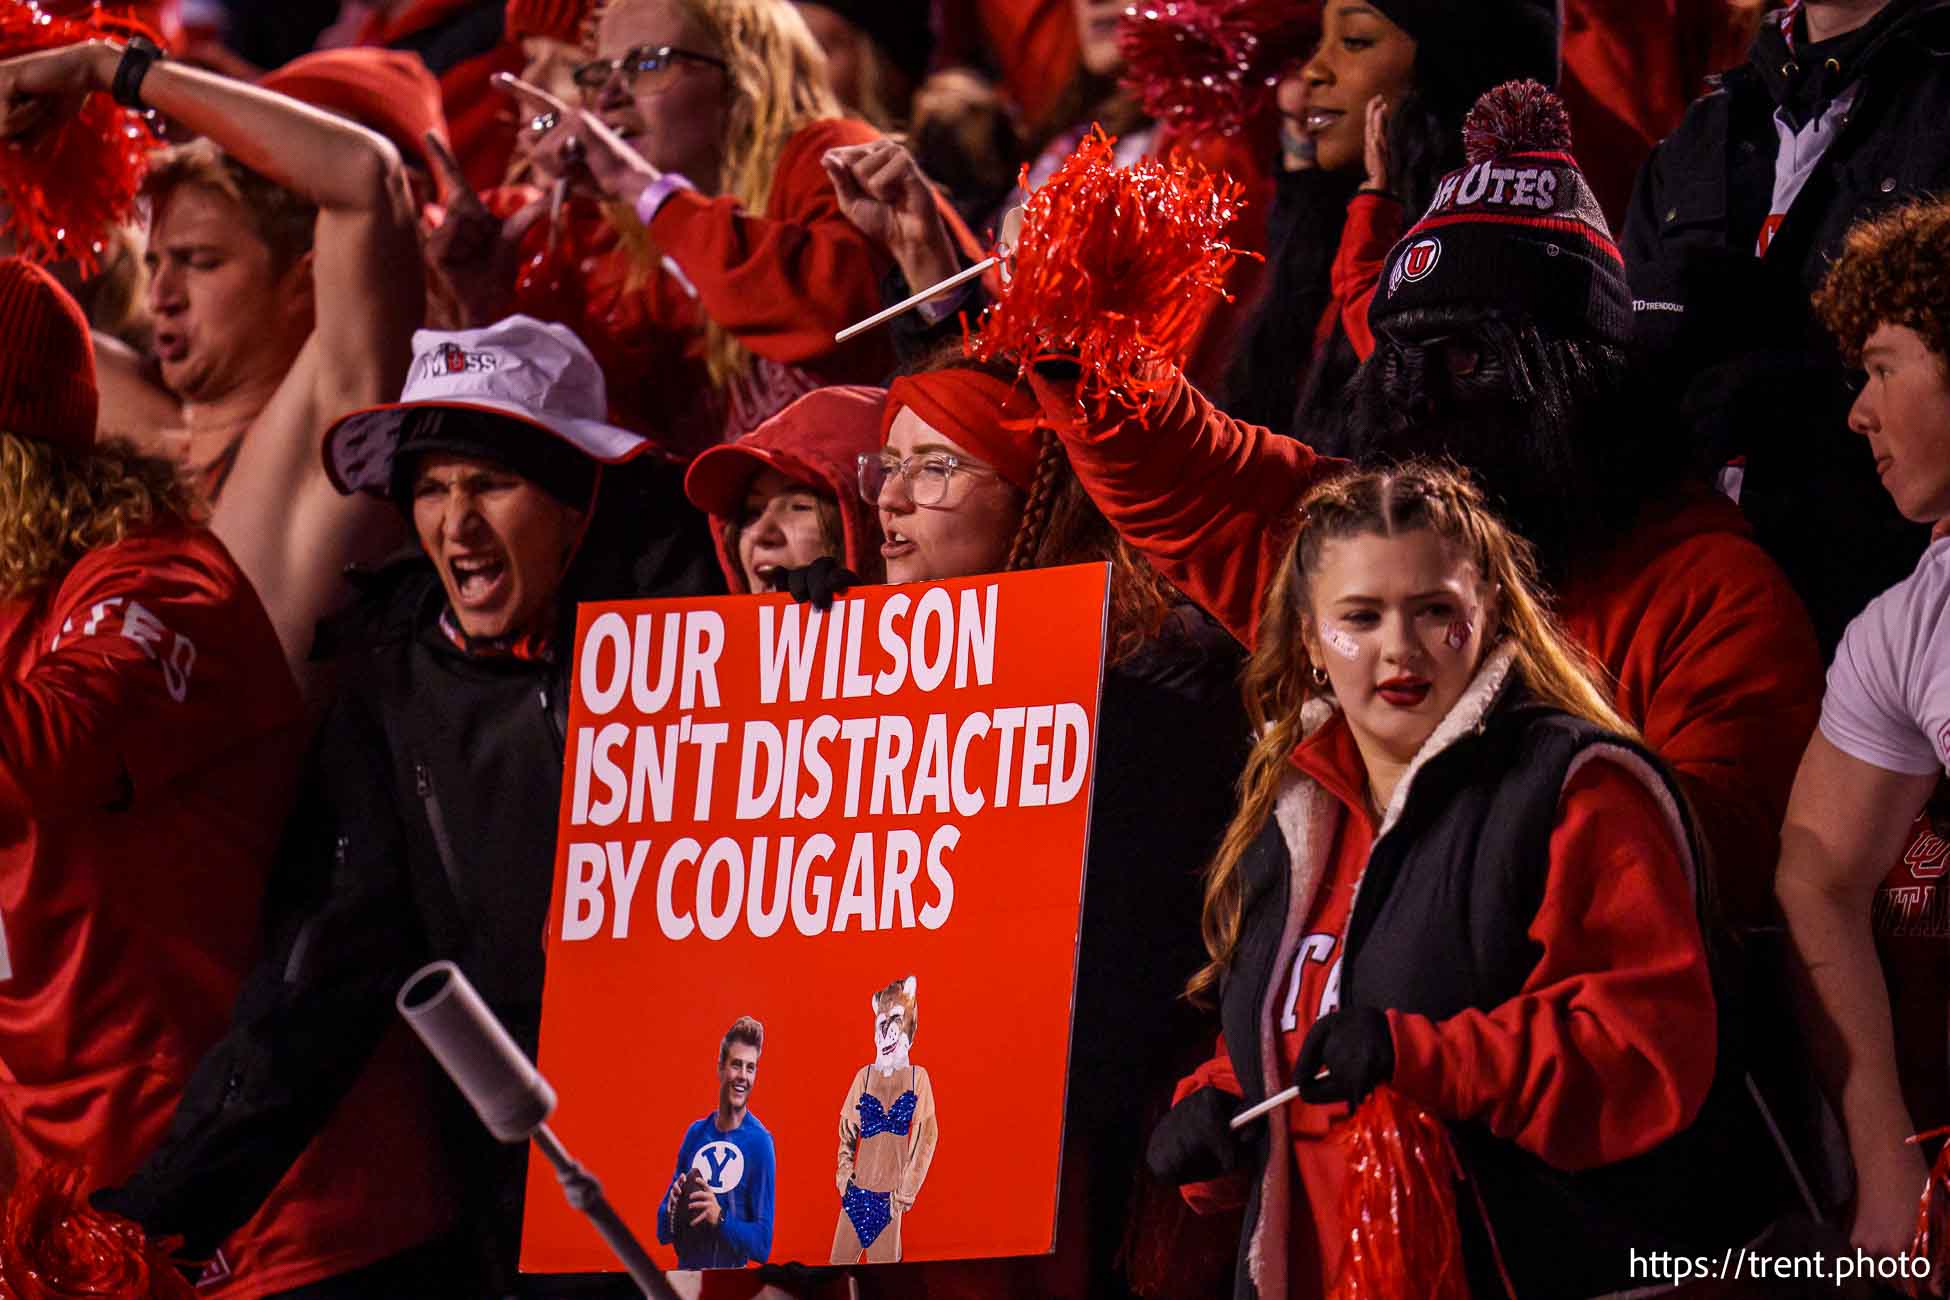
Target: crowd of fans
[(1473, 582)]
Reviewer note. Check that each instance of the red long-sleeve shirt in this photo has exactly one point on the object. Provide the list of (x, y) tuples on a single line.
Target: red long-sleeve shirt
[(1711, 653), (781, 282), (1606, 1051)]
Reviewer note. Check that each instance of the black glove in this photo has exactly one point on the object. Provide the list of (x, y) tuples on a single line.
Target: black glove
[(1194, 1142), (816, 583), (1354, 1047)]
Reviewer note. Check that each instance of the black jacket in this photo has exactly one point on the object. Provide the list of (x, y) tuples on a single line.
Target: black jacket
[(1736, 335), (1473, 836), (426, 830)]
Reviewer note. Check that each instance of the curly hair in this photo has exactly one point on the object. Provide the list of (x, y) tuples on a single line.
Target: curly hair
[(1894, 269), (56, 506)]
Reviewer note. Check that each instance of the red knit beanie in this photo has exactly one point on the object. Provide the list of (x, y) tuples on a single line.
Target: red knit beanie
[(558, 20), (993, 418), (47, 360)]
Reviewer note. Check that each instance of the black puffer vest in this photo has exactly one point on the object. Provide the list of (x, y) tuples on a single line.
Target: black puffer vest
[(1440, 925)]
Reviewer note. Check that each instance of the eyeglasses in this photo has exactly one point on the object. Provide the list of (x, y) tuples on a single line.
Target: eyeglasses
[(927, 475), (643, 61)]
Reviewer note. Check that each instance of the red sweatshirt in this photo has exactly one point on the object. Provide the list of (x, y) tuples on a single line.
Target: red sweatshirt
[(149, 737), (1712, 653), (1606, 1051), (782, 283)]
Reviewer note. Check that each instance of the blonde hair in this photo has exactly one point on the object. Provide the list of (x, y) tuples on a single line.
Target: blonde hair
[(779, 84), (285, 222), (56, 506), (1278, 678)]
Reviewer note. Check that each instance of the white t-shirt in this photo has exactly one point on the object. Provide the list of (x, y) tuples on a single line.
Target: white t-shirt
[(1888, 700)]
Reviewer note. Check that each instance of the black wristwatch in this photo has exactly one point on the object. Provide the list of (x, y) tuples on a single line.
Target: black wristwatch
[(137, 57)]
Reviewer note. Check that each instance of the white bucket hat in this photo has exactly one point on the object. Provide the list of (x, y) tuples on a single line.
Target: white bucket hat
[(528, 370)]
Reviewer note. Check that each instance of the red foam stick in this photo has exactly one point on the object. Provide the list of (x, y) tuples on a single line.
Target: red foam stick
[(1209, 65), (54, 1246), (1115, 268), (67, 183), (1399, 1205)]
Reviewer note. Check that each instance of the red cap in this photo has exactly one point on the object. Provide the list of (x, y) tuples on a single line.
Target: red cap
[(817, 441), (993, 418), (558, 20), (47, 360), (387, 91)]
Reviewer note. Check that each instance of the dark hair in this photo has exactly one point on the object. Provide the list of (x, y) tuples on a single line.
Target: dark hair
[(1565, 447), (743, 1030)]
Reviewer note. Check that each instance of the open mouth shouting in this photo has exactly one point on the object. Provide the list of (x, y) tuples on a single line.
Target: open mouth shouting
[(480, 581)]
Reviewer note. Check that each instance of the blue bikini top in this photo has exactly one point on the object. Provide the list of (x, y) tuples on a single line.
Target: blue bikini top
[(894, 1119)]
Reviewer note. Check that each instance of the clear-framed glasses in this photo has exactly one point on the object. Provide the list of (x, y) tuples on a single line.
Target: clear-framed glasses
[(643, 61), (927, 473)]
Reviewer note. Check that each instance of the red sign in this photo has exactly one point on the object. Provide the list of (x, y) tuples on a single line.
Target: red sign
[(864, 830)]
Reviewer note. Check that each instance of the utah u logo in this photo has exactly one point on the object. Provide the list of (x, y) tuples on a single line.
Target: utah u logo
[(721, 1164), (453, 360), (1415, 263), (1420, 259)]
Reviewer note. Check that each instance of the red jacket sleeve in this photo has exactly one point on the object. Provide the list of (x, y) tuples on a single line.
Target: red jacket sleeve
[(1609, 1048), (1717, 665), (144, 638), (1208, 499), (1374, 223), (782, 283), (1218, 1194)]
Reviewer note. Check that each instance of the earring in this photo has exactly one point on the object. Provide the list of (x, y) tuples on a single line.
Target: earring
[(1320, 678)]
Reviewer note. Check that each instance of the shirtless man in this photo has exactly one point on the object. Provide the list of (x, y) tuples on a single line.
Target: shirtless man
[(266, 331)]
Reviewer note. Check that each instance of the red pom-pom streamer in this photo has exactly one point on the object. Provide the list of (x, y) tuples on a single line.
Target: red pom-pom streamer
[(1115, 268), (53, 1246), (1399, 1205), (1932, 1242), (68, 182), (1209, 65), (1516, 117)]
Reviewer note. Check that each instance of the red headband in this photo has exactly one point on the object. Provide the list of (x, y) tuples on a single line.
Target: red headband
[(992, 418)]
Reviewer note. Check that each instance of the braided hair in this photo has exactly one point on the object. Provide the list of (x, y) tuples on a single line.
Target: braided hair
[(1060, 525)]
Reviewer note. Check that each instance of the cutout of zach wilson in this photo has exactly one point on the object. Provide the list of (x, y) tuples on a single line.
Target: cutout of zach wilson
[(718, 1209)]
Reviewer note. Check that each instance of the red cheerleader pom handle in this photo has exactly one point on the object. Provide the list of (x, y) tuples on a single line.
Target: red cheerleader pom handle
[(1399, 1207), (1115, 268), (66, 184), (1932, 1241), (53, 1245), (1209, 66)]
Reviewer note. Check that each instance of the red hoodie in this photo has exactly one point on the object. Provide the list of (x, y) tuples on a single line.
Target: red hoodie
[(1712, 653), (816, 442)]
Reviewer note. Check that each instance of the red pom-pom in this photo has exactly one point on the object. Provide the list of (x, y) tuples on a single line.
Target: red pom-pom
[(54, 1245), (1208, 65), (1932, 1241), (1115, 267), (1516, 117), (69, 182), (1399, 1205)]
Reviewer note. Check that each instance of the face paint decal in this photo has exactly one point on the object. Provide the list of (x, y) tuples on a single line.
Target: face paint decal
[(1340, 643), (1458, 634)]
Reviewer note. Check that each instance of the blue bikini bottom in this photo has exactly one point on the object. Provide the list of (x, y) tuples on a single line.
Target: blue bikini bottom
[(868, 1212)]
